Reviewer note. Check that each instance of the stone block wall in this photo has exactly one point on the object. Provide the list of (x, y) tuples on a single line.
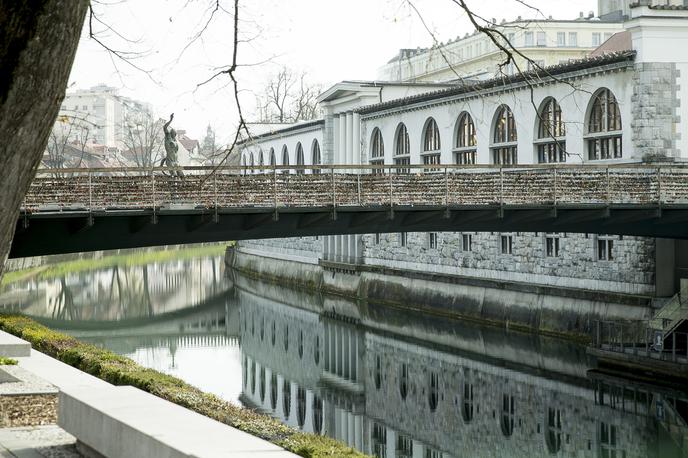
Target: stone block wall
[(632, 269), (655, 105), (304, 249)]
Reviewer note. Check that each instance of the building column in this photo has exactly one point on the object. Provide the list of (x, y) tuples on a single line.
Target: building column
[(349, 138), (357, 139), (341, 155), (336, 134)]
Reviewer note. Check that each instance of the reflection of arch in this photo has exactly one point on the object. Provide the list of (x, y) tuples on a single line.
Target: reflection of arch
[(316, 350), (286, 399), (507, 421), (316, 158), (274, 333), (299, 159), (465, 141), (252, 374), (273, 391), (504, 139), (403, 380), (300, 343), (378, 372), (317, 415), (286, 337), (262, 328), (467, 410), (603, 131), (553, 433), (262, 384), (551, 133), (301, 406), (434, 391)]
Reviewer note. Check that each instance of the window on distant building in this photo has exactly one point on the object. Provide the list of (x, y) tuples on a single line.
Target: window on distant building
[(467, 407), (551, 141), (434, 391), (403, 239), (512, 38), (603, 136), (573, 39), (285, 158), (404, 447), (596, 39), (465, 145), (507, 243), (504, 146), (609, 441), (528, 39), (552, 244), (607, 36), (605, 247), (402, 148), (507, 422), (541, 39), (403, 380), (315, 156), (561, 39), (431, 144), (379, 440)]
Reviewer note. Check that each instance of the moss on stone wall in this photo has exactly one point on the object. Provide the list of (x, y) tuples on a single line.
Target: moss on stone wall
[(120, 370)]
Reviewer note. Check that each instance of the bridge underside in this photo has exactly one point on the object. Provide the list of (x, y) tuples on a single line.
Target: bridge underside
[(44, 233)]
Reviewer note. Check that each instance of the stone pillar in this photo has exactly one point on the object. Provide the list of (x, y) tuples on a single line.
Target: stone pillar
[(350, 138), (335, 138), (357, 139), (341, 154)]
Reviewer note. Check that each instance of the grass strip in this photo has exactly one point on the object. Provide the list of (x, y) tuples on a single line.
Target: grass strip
[(120, 370), (130, 259)]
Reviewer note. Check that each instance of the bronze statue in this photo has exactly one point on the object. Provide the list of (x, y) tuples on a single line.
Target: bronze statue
[(171, 147)]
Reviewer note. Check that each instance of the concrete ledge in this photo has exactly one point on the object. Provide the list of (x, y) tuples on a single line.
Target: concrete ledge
[(125, 422), (13, 347)]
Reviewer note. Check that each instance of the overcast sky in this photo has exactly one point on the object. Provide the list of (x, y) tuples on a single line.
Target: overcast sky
[(330, 40)]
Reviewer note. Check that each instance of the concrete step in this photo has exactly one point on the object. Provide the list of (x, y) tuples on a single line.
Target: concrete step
[(13, 347)]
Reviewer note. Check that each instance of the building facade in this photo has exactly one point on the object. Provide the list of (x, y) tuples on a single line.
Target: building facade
[(620, 107)]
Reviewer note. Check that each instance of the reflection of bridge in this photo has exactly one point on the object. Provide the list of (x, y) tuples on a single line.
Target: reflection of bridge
[(85, 210)]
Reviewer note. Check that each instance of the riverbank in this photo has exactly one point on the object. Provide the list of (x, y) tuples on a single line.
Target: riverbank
[(557, 311), (119, 370)]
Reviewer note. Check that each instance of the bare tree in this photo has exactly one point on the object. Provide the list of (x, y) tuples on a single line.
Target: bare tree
[(288, 97), (210, 153), (142, 139), (67, 143)]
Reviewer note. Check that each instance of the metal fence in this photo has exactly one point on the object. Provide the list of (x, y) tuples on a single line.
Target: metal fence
[(366, 185), (639, 338)]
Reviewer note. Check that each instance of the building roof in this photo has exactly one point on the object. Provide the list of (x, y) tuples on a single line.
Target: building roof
[(465, 88), (290, 128), (616, 43)]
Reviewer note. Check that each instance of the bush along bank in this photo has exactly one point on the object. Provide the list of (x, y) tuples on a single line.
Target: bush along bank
[(120, 370)]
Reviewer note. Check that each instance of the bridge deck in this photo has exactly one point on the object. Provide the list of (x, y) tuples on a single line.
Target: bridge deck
[(81, 210)]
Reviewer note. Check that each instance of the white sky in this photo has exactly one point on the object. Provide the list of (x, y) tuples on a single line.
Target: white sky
[(330, 40)]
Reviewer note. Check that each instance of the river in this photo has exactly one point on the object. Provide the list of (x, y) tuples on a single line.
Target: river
[(388, 381)]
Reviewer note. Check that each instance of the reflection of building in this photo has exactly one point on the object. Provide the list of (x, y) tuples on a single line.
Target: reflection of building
[(326, 366)]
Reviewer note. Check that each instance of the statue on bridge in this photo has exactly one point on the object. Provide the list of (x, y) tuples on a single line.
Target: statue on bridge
[(171, 148)]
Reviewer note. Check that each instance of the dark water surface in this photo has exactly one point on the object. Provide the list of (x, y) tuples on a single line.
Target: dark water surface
[(389, 382)]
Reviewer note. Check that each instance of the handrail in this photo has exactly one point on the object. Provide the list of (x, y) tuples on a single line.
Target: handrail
[(602, 166)]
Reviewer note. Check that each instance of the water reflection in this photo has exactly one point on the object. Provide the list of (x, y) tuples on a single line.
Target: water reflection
[(389, 382)]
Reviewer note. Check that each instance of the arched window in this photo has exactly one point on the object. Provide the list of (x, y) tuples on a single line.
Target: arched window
[(262, 384), (467, 410), (299, 159), (553, 433), (252, 162), (403, 380), (604, 127), (273, 391), (402, 148), (285, 158), (317, 415), (315, 155), (243, 163), (551, 134), (504, 141), (377, 150), (434, 391), (273, 159), (261, 160), (286, 399), (465, 146), (301, 406), (431, 143), (507, 422)]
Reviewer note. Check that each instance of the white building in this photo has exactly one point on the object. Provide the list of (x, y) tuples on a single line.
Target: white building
[(625, 106), (102, 111)]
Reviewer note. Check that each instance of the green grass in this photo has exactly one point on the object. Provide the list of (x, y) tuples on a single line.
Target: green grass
[(135, 258), (120, 370)]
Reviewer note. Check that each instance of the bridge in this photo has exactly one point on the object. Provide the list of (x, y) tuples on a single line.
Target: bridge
[(74, 210)]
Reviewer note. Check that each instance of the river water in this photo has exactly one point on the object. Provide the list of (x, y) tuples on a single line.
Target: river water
[(390, 382)]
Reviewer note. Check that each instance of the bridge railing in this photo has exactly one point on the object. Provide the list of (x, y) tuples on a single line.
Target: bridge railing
[(358, 185)]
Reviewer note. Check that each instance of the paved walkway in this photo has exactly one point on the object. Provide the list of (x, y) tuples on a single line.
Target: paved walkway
[(37, 442)]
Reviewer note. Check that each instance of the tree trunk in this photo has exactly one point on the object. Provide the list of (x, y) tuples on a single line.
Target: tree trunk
[(38, 41)]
